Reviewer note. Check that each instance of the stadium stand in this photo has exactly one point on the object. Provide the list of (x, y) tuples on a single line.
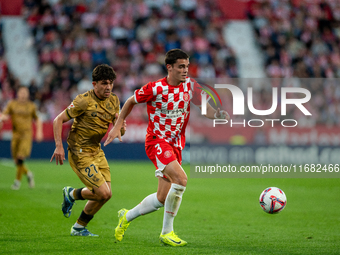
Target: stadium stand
[(300, 39), (71, 37)]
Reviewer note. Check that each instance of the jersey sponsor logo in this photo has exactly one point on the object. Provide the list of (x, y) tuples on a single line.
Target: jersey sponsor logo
[(167, 154), (186, 97), (70, 106), (176, 113)]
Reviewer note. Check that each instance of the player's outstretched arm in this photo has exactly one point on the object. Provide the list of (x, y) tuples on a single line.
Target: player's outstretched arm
[(123, 128), (115, 132), (216, 114), (39, 132), (59, 153)]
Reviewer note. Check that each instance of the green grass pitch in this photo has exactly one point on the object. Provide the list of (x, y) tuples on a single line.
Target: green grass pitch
[(217, 216)]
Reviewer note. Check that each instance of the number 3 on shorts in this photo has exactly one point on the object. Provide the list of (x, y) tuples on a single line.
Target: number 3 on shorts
[(159, 149)]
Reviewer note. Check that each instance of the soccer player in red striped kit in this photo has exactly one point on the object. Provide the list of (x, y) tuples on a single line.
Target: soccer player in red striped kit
[(168, 107)]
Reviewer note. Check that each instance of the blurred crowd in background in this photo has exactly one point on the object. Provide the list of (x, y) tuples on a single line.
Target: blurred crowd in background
[(301, 39), (72, 37)]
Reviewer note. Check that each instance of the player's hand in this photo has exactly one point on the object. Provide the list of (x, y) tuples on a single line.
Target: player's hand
[(114, 133), (221, 114), (59, 155)]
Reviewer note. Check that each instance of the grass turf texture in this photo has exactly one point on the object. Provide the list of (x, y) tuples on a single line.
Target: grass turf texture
[(217, 216)]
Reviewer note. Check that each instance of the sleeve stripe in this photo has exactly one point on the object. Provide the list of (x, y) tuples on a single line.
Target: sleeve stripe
[(134, 96), (68, 115)]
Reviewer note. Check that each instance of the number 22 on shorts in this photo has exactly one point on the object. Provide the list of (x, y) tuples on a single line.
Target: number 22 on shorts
[(159, 149)]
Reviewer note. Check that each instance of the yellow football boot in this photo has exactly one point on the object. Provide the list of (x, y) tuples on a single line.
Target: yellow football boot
[(122, 224), (172, 239)]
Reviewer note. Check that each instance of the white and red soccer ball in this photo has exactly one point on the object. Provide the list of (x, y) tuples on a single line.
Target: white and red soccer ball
[(273, 200)]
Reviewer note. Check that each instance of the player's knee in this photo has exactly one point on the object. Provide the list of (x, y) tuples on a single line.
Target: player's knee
[(105, 196), (184, 181), (181, 180), (20, 162), (108, 197)]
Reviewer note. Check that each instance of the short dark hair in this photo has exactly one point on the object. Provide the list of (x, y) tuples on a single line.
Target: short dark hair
[(174, 54), (103, 72)]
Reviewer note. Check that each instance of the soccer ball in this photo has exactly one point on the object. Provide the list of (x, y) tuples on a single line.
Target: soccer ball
[(273, 200)]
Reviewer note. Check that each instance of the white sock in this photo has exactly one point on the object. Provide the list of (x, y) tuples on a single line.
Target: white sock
[(76, 225), (16, 185), (71, 194), (171, 206), (148, 205)]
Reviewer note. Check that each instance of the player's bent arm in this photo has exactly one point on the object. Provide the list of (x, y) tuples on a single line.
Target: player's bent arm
[(216, 114), (39, 132), (58, 127), (126, 110), (123, 128), (59, 152), (116, 130)]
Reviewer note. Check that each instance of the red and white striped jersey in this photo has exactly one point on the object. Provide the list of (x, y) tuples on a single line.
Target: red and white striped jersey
[(168, 108)]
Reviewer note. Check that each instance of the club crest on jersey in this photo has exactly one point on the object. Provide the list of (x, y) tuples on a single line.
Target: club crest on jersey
[(186, 97), (109, 106), (141, 91), (70, 106), (167, 154)]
